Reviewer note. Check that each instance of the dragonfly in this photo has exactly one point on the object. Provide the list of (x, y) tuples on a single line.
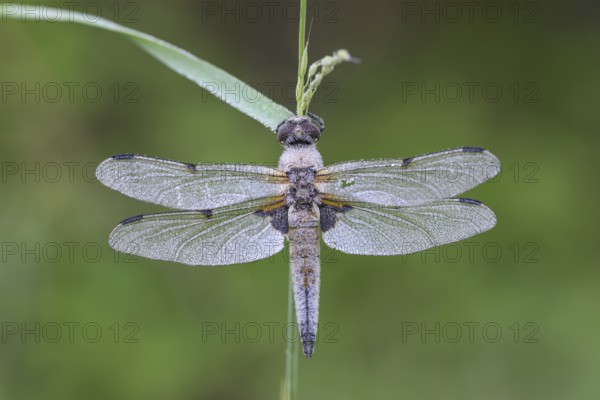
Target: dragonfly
[(232, 213)]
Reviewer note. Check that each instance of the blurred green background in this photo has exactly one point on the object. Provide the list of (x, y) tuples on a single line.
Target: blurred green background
[(509, 314)]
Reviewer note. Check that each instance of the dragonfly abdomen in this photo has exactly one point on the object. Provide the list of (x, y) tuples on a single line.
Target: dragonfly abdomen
[(303, 236)]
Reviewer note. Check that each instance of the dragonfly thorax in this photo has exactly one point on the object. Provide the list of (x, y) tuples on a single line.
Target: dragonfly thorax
[(302, 191)]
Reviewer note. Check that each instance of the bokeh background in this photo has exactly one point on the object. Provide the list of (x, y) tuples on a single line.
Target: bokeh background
[(509, 314)]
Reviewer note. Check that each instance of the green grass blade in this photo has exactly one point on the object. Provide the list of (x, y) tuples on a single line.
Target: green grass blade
[(237, 94)]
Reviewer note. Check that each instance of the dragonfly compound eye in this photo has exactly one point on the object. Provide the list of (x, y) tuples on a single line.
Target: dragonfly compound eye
[(298, 131)]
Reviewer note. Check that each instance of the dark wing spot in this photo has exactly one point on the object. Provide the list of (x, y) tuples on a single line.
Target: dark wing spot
[(470, 201), (344, 208), (329, 215), (279, 218), (191, 167), (206, 213), (328, 218), (407, 161), (132, 219), (127, 156), (468, 149)]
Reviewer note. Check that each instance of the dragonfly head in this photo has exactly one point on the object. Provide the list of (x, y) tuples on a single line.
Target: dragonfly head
[(300, 131)]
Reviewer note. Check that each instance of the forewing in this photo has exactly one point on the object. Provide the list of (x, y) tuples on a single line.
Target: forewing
[(377, 230), (409, 181), (189, 186), (219, 237)]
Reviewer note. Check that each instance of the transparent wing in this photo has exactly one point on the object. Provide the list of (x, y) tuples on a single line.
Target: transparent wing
[(189, 186), (219, 237), (409, 181), (377, 230)]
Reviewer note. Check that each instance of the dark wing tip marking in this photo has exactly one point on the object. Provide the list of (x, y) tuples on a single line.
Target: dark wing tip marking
[(407, 161), (126, 156), (470, 201), (191, 167), (470, 149), (132, 219)]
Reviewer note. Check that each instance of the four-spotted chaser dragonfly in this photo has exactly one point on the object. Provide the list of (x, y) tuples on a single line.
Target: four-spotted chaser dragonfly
[(242, 213)]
